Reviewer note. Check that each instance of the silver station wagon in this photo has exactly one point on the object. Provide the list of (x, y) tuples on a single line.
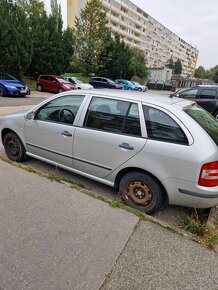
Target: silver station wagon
[(151, 149)]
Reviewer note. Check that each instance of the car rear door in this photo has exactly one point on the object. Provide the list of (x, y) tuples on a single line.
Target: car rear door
[(207, 99), (109, 134), (49, 136)]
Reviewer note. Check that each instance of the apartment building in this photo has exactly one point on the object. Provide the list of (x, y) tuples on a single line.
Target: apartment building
[(138, 29)]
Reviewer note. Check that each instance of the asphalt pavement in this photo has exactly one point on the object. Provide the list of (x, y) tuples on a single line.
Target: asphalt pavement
[(55, 237)]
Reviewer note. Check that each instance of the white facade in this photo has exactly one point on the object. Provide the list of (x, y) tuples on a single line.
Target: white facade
[(139, 29)]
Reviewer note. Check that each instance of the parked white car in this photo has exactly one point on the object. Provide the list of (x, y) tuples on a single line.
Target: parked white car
[(80, 84), (150, 148), (139, 87)]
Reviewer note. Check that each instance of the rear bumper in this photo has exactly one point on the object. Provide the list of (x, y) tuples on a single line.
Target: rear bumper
[(190, 194)]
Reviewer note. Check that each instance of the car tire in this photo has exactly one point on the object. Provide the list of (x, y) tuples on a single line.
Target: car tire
[(141, 191), (14, 147), (39, 88), (139, 89), (215, 114), (60, 91), (2, 92)]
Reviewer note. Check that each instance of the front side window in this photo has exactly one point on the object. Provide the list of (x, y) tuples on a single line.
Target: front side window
[(189, 94), (160, 126), (61, 110), (208, 94), (113, 116)]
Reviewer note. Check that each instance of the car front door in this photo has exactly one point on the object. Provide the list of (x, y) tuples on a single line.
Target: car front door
[(108, 136), (49, 136), (53, 85)]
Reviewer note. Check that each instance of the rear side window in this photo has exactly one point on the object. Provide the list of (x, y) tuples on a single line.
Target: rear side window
[(205, 120), (160, 126), (113, 116), (208, 94)]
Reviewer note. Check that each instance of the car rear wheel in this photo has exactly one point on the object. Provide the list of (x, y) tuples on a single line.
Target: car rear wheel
[(215, 114), (141, 191), (39, 88), (139, 89), (60, 91), (14, 147), (2, 92)]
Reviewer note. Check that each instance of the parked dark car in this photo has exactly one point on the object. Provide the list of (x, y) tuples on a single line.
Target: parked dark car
[(205, 96), (10, 86), (54, 84), (99, 82)]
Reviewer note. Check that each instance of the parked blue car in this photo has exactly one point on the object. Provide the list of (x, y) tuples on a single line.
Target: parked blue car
[(127, 85), (9, 86)]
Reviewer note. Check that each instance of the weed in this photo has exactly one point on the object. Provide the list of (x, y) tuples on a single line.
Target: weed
[(114, 204), (54, 177), (198, 227)]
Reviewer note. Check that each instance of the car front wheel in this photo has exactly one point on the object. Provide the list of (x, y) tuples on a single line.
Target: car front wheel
[(14, 147), (141, 191)]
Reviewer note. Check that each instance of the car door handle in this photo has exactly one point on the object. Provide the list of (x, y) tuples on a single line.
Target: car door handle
[(126, 146), (66, 133)]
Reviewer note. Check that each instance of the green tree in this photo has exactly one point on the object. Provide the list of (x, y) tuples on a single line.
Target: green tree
[(15, 40), (138, 64), (200, 73), (119, 65), (91, 37), (52, 46), (213, 74), (177, 67)]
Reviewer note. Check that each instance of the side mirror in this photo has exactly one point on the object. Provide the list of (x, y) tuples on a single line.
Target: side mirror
[(30, 116)]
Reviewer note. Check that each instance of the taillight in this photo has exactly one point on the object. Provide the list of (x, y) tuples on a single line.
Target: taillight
[(209, 174)]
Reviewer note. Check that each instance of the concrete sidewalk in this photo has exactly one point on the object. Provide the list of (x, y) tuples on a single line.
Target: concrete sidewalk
[(55, 237)]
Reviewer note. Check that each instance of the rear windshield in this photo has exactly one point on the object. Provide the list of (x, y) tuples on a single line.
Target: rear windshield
[(205, 120)]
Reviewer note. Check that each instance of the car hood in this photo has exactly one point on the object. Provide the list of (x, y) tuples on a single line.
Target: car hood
[(14, 83)]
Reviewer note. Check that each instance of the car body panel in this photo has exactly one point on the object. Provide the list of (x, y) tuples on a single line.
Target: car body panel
[(127, 85), (12, 86), (96, 154), (79, 84), (104, 83)]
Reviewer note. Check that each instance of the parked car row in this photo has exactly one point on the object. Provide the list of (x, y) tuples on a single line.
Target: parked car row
[(100, 82), (152, 150)]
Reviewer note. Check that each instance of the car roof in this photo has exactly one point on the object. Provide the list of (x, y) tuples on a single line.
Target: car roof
[(55, 76), (205, 86), (147, 97)]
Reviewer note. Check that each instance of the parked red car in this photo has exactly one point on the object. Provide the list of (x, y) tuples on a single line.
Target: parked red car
[(54, 84)]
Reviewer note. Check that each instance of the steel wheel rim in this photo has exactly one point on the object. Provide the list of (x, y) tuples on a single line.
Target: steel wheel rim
[(139, 193), (13, 147)]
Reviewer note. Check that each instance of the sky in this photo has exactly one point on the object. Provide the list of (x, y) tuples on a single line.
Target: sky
[(195, 21)]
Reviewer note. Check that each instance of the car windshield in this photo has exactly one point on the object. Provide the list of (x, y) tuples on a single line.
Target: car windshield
[(63, 81), (4, 76), (78, 81), (205, 120)]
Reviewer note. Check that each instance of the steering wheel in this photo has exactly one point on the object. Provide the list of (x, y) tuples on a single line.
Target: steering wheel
[(66, 116)]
